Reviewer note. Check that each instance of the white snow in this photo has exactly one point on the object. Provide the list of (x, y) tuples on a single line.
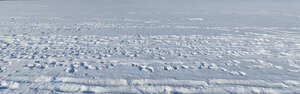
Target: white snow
[(145, 47)]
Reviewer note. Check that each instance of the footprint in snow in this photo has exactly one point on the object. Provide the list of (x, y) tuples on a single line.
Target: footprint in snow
[(144, 68)]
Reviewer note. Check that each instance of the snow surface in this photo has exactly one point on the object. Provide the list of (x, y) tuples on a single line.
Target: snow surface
[(143, 46)]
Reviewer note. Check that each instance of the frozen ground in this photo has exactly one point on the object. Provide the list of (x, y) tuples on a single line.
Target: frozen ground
[(143, 46)]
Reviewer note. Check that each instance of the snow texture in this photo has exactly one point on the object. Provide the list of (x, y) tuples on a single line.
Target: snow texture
[(145, 47)]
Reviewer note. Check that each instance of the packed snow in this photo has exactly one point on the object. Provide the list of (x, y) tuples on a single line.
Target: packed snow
[(145, 47)]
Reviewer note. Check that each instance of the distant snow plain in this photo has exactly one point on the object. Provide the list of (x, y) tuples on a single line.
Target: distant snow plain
[(143, 46)]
